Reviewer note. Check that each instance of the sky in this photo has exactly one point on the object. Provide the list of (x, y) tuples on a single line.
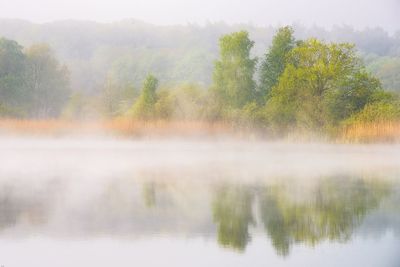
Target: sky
[(326, 13)]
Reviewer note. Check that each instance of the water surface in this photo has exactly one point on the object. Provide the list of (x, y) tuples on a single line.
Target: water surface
[(107, 202)]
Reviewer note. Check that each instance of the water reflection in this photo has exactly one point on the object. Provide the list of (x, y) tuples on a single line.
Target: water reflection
[(30, 206), (232, 212), (331, 211), (287, 211), (149, 194)]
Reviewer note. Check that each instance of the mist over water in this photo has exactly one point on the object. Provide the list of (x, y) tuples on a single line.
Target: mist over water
[(200, 133), (252, 160), (112, 201)]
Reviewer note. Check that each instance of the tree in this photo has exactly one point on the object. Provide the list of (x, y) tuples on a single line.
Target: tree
[(47, 81), (352, 95), (233, 74), (13, 93), (321, 85), (144, 107), (275, 59)]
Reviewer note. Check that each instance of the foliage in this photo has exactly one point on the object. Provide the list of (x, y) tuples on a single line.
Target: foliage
[(175, 54), (32, 84), (274, 61), (310, 86), (321, 85), (12, 71), (377, 112), (144, 107), (47, 81), (233, 75)]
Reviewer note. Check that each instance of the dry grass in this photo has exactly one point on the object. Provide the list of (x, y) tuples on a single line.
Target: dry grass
[(356, 133), (10, 126), (122, 127), (128, 127), (387, 132)]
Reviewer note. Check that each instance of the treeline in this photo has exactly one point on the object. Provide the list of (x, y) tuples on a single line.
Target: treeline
[(303, 85), (297, 85), (124, 52)]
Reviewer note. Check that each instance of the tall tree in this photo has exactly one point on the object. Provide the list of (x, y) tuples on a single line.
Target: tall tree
[(12, 70), (233, 74), (275, 59), (144, 107), (47, 80)]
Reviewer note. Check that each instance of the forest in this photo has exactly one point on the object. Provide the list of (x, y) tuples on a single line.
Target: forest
[(276, 81)]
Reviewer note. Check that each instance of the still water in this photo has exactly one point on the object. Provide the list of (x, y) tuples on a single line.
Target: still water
[(106, 202)]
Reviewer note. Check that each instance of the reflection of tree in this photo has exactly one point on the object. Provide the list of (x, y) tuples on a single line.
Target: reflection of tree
[(9, 210), (331, 212), (149, 194), (232, 214), (17, 203)]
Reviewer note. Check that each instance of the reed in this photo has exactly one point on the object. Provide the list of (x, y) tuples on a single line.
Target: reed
[(120, 126), (129, 127), (372, 132)]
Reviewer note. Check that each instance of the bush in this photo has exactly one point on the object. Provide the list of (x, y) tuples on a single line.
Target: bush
[(377, 112)]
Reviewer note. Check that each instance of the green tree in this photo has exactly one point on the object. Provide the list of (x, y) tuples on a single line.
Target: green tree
[(321, 85), (47, 81), (352, 95), (275, 59), (13, 92), (233, 74), (144, 107)]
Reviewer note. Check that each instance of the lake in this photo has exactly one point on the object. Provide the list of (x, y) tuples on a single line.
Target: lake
[(114, 202)]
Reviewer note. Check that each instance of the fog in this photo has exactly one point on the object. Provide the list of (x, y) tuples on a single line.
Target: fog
[(360, 14), (200, 159)]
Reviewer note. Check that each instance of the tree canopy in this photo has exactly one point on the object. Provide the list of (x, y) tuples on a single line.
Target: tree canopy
[(234, 85), (275, 59), (32, 84), (144, 107), (322, 84)]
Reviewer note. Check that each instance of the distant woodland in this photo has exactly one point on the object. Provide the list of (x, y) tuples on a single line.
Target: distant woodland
[(279, 78)]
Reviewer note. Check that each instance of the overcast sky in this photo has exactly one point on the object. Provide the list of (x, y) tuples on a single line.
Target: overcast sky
[(358, 13)]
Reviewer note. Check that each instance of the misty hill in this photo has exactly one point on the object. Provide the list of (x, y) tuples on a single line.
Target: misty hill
[(128, 50)]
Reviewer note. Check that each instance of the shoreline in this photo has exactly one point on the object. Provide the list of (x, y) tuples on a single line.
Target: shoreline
[(371, 133)]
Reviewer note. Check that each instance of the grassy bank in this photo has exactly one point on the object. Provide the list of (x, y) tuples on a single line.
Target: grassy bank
[(387, 132)]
